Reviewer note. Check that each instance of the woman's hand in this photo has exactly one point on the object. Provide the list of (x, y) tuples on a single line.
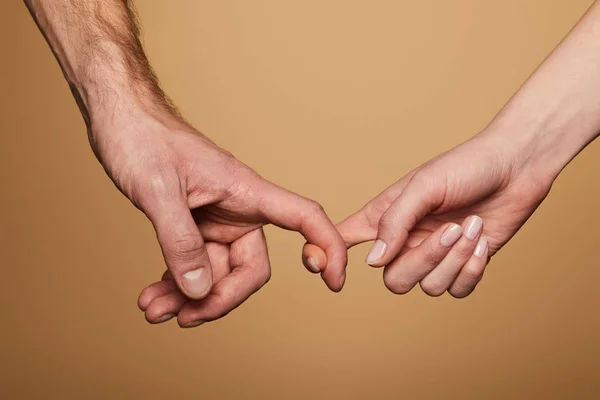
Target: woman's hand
[(501, 176), (440, 224)]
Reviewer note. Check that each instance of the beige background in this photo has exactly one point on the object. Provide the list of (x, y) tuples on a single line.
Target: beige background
[(335, 100)]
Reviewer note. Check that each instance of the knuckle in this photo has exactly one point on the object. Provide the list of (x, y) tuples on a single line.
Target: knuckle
[(464, 251), (150, 317), (433, 288), (431, 257), (311, 210), (218, 307), (392, 224), (265, 278), (185, 248), (157, 183), (230, 163), (472, 273), (144, 299), (459, 292), (151, 190), (314, 207), (261, 276), (242, 184), (398, 285), (156, 311), (386, 222)]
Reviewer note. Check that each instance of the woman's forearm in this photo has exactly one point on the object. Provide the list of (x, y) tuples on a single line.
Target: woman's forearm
[(557, 111)]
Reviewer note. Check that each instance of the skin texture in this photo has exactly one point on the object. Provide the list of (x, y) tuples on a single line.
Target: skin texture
[(412, 214), (207, 208), (438, 226), (500, 176)]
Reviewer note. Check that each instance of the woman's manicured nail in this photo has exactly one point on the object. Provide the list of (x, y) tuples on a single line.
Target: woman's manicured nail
[(197, 283), (451, 235), (164, 318), (312, 264), (481, 247), (377, 251), (194, 324), (343, 280), (473, 228)]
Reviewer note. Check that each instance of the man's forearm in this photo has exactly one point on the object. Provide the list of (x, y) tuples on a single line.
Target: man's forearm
[(557, 112), (97, 45)]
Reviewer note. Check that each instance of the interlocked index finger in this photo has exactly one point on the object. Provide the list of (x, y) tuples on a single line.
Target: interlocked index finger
[(291, 211), (360, 227), (354, 230)]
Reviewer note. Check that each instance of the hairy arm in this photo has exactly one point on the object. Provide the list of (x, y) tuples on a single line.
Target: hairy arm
[(207, 208), (97, 45)]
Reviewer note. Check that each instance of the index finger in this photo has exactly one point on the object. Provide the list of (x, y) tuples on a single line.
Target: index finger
[(291, 211)]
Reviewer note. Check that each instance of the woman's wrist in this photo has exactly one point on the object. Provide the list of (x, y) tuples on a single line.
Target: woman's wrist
[(542, 142), (556, 113)]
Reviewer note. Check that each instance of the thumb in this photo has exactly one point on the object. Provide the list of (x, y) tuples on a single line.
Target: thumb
[(291, 211), (361, 226), (182, 246), (420, 197)]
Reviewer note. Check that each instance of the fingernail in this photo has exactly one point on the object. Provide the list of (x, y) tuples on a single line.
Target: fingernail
[(451, 235), (481, 247), (473, 227), (194, 324), (197, 283), (376, 252), (343, 280), (164, 318), (312, 264)]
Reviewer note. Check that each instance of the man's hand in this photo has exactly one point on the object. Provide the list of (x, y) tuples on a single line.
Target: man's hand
[(238, 270), (192, 191)]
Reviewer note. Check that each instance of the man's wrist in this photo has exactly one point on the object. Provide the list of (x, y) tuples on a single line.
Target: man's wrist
[(111, 99), (110, 90), (99, 50)]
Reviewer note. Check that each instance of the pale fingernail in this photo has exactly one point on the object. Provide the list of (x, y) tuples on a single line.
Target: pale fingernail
[(194, 324), (473, 227), (312, 264), (481, 247), (164, 318), (343, 280), (451, 235), (377, 251), (197, 283)]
